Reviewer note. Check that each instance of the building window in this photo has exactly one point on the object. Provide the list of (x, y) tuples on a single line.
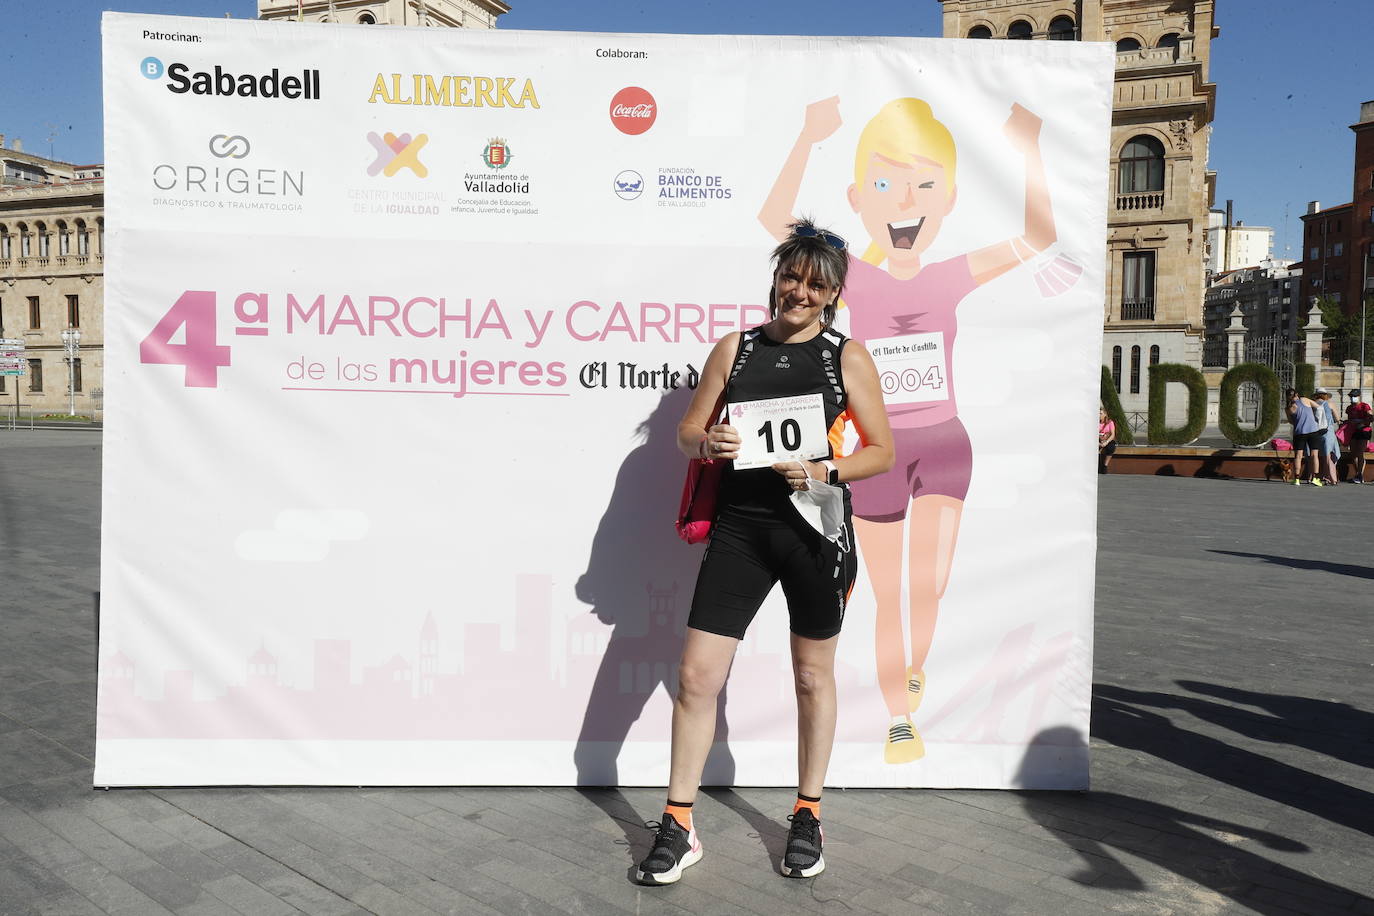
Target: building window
[(1127, 44), (1138, 286), (1314, 252), (25, 243), (43, 240), (1061, 29), (1168, 41), (1135, 370), (1142, 166), (980, 31), (1116, 369), (76, 375), (35, 314), (63, 239), (35, 375), (73, 312), (367, 19), (1154, 355), (5, 253), (1338, 249), (83, 240), (1020, 30)]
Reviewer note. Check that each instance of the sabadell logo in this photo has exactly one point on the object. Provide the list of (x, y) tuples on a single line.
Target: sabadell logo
[(633, 110), (182, 80)]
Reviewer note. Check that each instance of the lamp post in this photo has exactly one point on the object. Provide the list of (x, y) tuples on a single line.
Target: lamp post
[(71, 341)]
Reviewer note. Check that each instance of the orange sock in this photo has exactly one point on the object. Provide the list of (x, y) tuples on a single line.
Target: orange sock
[(682, 813), (806, 801)]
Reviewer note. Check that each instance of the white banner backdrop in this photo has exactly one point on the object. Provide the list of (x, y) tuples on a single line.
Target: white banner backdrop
[(400, 326)]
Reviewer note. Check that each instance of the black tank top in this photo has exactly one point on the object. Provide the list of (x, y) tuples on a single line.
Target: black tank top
[(764, 368)]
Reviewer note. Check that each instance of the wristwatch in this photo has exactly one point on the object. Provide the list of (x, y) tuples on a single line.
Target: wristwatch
[(832, 476)]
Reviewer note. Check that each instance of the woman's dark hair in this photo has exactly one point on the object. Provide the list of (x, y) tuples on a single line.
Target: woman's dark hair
[(811, 251)]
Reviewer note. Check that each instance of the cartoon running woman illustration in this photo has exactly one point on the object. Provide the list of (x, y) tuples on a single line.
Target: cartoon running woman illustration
[(904, 188)]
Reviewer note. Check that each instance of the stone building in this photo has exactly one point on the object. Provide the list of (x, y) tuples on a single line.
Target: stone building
[(461, 14), (1264, 303), (52, 262), (1161, 191)]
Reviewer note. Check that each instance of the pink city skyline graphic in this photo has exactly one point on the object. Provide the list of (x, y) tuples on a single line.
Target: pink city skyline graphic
[(594, 690)]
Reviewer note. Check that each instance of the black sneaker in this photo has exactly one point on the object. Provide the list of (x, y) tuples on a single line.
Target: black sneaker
[(803, 857), (674, 849)]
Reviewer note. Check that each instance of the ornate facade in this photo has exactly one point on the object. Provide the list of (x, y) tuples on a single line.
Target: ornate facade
[(458, 14), (1161, 190), (52, 264)]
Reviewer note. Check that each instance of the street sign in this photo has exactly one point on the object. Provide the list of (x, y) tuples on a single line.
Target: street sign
[(11, 343)]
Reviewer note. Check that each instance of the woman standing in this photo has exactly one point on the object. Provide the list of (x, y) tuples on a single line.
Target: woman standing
[(759, 539), (1106, 440), (1331, 448), (1308, 440)]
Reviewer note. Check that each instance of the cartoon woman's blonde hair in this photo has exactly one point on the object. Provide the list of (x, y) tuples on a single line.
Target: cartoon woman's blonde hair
[(902, 130)]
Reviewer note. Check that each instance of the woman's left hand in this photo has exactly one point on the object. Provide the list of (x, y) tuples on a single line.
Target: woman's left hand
[(798, 474)]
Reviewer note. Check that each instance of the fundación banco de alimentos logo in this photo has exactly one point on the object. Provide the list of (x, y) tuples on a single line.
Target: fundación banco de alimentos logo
[(629, 184), (396, 152)]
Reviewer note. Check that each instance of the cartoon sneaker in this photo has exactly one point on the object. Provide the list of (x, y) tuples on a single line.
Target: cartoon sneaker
[(904, 744), (915, 690), (674, 849), (803, 857)]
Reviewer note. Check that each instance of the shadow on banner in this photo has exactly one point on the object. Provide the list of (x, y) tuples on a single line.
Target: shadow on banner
[(639, 580)]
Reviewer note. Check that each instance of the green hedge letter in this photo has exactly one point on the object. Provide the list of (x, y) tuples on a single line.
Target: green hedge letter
[(1268, 383), (1160, 376)]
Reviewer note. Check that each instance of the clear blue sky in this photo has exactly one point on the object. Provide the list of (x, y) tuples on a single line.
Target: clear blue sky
[(1290, 76)]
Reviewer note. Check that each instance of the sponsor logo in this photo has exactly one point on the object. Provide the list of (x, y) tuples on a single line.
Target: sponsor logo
[(621, 53), (198, 186), (633, 110), (182, 80), (397, 152), (496, 154), (223, 146), (686, 187), (628, 185), (452, 91)]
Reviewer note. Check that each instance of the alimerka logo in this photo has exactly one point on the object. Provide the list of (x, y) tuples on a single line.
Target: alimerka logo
[(452, 91), (397, 152), (181, 79), (633, 110)]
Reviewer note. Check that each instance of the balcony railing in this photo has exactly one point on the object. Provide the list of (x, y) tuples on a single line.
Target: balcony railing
[(1149, 200), (34, 264), (1138, 309)]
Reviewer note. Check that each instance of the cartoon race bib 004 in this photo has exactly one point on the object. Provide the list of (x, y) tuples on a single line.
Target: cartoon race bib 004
[(911, 368), (779, 429)]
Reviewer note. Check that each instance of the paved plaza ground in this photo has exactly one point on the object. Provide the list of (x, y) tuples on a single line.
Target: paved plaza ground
[(1232, 735)]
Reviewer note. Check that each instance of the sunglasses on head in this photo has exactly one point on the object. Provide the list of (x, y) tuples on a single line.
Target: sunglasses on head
[(811, 232)]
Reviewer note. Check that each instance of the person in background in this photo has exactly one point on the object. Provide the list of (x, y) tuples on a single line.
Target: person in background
[(1331, 448), (1308, 440), (1358, 418), (1106, 440)]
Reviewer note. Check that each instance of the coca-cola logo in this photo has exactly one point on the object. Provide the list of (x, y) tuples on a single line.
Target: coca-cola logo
[(633, 110)]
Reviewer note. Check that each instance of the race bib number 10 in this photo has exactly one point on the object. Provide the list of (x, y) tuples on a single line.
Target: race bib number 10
[(911, 369), (779, 429)]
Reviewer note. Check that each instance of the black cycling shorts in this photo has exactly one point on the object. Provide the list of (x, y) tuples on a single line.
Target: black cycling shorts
[(744, 560)]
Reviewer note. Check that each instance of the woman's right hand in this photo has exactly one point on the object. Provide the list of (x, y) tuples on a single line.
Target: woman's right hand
[(822, 120), (722, 441)]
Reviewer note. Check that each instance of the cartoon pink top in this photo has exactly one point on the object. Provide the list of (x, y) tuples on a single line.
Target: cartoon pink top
[(882, 306)]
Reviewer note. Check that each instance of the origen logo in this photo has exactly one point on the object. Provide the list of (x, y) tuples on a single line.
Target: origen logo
[(223, 146), (397, 152), (150, 67), (633, 110)]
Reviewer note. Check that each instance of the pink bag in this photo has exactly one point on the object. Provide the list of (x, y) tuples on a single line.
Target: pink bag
[(1282, 445), (697, 510), (1343, 434)]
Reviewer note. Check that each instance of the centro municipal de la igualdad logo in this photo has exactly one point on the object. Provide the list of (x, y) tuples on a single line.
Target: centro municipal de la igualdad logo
[(396, 152)]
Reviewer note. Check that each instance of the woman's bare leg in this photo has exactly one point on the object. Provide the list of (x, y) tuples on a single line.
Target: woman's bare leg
[(881, 545), (813, 667), (934, 522), (706, 659)]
